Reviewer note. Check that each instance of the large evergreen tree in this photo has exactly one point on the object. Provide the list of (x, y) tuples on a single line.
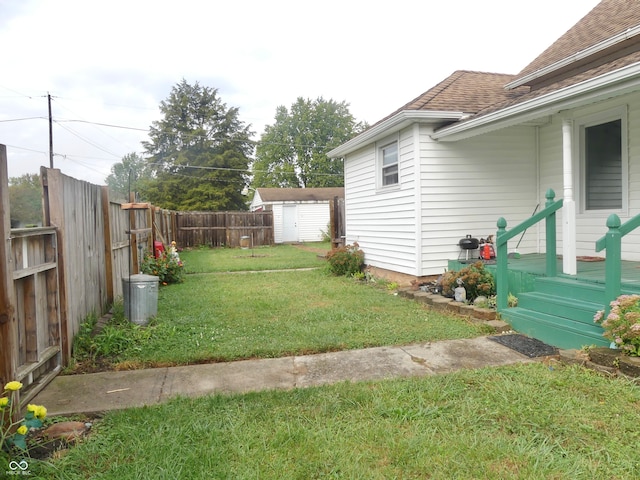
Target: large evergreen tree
[(199, 152), (293, 151)]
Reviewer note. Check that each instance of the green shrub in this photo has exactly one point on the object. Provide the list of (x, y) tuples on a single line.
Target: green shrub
[(475, 279), (167, 267), (347, 260)]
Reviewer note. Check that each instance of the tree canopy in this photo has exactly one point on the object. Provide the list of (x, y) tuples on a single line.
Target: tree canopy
[(126, 176), (25, 199), (293, 151), (198, 152)]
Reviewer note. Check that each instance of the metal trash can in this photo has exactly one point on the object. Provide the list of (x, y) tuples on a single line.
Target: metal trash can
[(140, 297)]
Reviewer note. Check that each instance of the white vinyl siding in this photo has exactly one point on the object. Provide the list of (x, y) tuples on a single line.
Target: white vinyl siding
[(591, 224), (469, 184), (466, 187), (382, 220)]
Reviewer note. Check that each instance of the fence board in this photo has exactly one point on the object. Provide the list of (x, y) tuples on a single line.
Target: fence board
[(223, 229)]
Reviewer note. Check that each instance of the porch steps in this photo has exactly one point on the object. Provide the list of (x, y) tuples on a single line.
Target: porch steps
[(559, 311)]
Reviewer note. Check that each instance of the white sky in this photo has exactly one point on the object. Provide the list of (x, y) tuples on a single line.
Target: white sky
[(114, 62)]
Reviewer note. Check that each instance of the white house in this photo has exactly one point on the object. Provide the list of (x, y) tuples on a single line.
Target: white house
[(479, 146), (299, 214)]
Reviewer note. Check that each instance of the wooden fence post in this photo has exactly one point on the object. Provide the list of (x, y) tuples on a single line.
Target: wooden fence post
[(133, 238), (108, 253), (53, 188), (8, 333)]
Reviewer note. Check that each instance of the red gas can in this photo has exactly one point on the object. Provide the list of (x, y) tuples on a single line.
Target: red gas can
[(158, 249)]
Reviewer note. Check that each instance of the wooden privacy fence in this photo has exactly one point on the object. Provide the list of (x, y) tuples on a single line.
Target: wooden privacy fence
[(224, 229), (52, 278)]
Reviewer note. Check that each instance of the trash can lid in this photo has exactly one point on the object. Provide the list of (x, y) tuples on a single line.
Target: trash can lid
[(141, 277)]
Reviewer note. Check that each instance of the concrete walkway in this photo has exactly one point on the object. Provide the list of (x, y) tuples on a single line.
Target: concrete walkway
[(99, 392)]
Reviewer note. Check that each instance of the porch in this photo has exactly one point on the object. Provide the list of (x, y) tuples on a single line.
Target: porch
[(559, 310), (523, 270)]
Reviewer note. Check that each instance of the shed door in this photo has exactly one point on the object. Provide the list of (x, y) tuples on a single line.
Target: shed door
[(289, 223)]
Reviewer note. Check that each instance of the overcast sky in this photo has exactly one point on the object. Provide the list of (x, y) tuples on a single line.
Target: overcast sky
[(108, 65)]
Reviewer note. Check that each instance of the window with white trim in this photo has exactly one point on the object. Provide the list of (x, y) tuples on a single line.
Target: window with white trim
[(389, 157), (603, 163)]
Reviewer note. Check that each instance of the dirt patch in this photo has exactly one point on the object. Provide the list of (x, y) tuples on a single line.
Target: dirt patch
[(319, 250)]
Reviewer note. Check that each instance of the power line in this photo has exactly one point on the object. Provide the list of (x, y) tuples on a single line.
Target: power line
[(21, 119)]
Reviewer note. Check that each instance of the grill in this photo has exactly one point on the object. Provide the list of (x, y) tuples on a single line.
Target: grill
[(468, 248)]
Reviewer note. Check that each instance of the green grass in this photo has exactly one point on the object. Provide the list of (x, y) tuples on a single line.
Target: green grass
[(207, 260), (232, 316), (519, 422)]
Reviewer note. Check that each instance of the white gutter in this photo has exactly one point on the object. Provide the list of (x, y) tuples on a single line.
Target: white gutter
[(587, 52), (618, 82), (392, 124)]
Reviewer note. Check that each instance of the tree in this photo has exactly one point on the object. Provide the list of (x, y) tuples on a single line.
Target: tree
[(125, 176), (199, 152), (25, 199), (293, 151)]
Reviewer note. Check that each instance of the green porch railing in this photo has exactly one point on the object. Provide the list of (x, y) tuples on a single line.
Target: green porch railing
[(612, 242), (503, 236)]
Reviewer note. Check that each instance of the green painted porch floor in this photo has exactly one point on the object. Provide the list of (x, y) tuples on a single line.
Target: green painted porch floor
[(587, 271)]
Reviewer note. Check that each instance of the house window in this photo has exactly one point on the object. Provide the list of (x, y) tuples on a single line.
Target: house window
[(389, 155), (604, 163)]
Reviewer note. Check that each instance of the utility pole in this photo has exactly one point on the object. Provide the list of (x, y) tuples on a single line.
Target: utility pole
[(50, 132)]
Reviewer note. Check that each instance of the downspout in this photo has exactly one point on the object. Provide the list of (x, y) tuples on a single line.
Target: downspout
[(418, 197), (569, 262)]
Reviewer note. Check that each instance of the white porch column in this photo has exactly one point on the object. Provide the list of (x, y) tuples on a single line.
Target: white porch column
[(569, 262)]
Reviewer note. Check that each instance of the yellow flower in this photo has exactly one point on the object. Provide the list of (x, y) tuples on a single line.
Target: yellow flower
[(41, 412), (4, 401), (22, 430), (13, 386), (32, 408)]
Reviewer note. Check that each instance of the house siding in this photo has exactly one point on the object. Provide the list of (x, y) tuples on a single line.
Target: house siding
[(382, 221), (460, 197), (455, 198), (590, 226)]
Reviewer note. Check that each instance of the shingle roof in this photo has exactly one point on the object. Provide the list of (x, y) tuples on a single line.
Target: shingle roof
[(605, 20), (464, 91), (299, 194)]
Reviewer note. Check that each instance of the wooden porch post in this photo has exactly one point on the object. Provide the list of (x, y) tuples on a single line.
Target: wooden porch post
[(569, 261)]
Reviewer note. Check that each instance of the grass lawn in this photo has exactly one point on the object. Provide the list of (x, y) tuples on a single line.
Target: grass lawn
[(207, 260), (221, 315), (531, 421)]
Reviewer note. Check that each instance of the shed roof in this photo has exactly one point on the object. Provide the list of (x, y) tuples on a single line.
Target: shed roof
[(299, 194)]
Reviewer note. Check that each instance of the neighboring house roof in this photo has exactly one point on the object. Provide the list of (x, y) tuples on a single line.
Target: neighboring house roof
[(604, 42), (299, 194)]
